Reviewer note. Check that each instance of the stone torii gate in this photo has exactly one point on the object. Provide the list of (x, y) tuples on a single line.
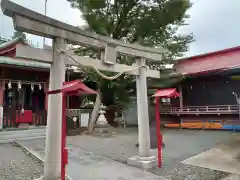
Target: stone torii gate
[(26, 20)]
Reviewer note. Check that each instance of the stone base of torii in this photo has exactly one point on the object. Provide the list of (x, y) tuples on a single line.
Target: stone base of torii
[(26, 20)]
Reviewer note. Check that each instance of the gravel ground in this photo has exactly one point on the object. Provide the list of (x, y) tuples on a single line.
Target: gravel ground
[(17, 165), (180, 145)]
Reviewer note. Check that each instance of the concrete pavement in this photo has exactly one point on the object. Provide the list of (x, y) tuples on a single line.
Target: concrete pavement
[(224, 157), (89, 166), (180, 145), (232, 177)]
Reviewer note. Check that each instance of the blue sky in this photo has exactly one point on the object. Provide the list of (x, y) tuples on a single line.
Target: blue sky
[(214, 23)]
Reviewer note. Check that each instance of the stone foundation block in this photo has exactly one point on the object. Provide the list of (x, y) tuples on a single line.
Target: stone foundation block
[(143, 162)]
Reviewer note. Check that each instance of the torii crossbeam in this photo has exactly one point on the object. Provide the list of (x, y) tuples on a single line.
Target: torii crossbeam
[(26, 20)]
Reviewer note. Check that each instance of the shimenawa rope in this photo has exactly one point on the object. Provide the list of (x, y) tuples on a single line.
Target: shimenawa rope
[(97, 71)]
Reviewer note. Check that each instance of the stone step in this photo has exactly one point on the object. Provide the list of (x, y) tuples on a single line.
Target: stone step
[(22, 131), (10, 136), (23, 138), (19, 135)]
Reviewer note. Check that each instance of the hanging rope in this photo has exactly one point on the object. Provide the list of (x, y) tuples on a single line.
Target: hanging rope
[(97, 71)]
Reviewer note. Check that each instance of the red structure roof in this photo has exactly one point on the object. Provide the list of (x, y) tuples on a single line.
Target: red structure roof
[(76, 87), (166, 93), (73, 88), (214, 61)]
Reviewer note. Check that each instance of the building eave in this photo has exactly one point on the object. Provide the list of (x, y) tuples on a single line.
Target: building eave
[(213, 53), (12, 42), (210, 62), (24, 63)]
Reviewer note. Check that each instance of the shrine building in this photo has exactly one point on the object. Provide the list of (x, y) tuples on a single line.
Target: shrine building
[(23, 85), (209, 87)]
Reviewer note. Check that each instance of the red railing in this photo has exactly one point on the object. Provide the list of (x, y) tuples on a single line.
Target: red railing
[(10, 118), (13, 117), (213, 109)]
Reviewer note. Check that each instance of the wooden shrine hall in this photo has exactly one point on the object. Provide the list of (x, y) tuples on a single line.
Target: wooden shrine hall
[(23, 85), (209, 87)]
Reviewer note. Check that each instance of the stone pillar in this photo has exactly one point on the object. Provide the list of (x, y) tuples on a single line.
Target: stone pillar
[(143, 121), (180, 97), (144, 159), (52, 160)]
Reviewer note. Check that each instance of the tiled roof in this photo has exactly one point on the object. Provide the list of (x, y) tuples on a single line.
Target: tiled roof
[(172, 92), (16, 61), (215, 61), (12, 42), (23, 63)]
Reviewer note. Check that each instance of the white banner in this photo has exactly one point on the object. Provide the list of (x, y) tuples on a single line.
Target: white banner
[(1, 117), (84, 119)]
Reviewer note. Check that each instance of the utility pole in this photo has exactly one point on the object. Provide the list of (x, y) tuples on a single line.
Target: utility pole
[(45, 13)]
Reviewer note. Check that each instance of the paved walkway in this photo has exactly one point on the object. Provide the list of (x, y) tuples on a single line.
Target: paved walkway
[(224, 158), (180, 145), (89, 166)]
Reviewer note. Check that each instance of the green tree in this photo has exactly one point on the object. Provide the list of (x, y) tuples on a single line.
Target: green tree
[(19, 34), (151, 23)]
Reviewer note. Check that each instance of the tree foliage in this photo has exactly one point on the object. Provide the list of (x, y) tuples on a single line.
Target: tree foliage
[(151, 23), (19, 34)]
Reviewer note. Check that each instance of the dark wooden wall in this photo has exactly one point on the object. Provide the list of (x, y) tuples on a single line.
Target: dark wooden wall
[(34, 75), (214, 90)]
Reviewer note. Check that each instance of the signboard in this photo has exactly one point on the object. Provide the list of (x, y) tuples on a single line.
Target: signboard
[(84, 119), (1, 117)]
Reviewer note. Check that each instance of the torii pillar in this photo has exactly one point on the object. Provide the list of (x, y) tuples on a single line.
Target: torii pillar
[(52, 160), (144, 160), (142, 108)]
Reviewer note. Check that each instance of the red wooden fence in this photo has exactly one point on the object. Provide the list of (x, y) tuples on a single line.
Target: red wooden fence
[(12, 119)]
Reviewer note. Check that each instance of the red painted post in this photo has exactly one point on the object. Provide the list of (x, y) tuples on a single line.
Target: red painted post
[(158, 133), (2, 86), (46, 95), (64, 150)]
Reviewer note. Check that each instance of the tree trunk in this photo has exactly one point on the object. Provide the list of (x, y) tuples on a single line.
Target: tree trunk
[(95, 112), (110, 116)]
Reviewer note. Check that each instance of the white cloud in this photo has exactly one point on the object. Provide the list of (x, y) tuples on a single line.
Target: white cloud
[(214, 23), (57, 9)]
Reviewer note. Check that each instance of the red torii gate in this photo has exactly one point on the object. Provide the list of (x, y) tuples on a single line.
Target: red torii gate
[(71, 88), (163, 93)]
